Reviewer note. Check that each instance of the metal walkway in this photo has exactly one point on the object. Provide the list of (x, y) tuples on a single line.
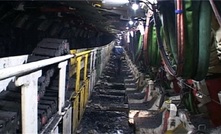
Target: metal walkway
[(107, 110), (131, 103), (119, 104)]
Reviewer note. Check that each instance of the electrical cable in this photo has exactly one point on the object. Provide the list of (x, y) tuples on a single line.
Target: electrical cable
[(201, 93), (216, 12), (167, 62), (187, 85)]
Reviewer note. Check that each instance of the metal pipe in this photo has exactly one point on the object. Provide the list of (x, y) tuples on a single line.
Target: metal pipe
[(21, 69), (13, 61)]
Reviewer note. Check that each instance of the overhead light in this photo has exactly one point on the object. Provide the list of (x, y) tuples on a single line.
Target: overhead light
[(135, 6), (131, 22), (115, 1)]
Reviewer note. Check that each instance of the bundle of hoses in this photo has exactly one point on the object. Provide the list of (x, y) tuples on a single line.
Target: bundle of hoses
[(151, 53), (136, 44), (189, 102), (139, 48), (189, 42), (145, 37), (153, 49)]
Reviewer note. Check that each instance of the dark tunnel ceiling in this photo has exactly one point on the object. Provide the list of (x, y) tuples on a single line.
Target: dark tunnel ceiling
[(108, 18), (85, 23)]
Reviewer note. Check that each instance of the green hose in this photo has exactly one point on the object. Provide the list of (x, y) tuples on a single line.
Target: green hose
[(154, 48), (191, 38), (204, 40), (169, 30), (158, 56), (196, 48), (149, 45), (139, 48), (186, 102)]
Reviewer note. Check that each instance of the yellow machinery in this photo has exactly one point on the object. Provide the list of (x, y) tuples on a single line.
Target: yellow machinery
[(90, 60), (79, 65), (85, 68)]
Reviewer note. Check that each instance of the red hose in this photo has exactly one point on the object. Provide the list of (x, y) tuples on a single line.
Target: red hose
[(145, 47), (180, 37)]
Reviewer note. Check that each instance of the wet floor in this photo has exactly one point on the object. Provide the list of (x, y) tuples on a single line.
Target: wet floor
[(107, 110)]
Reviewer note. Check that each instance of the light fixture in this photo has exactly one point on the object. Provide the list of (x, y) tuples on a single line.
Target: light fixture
[(131, 22), (115, 1), (127, 28), (137, 3), (135, 6)]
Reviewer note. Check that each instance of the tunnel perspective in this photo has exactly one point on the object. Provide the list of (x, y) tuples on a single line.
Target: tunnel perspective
[(170, 80)]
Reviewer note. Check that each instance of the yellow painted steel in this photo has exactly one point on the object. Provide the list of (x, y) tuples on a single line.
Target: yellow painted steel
[(85, 66), (86, 92), (73, 59), (81, 102), (78, 74), (75, 117), (82, 53), (86, 79), (79, 65), (80, 98)]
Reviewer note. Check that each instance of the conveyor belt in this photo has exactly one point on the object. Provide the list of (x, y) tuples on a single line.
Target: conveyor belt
[(47, 87), (12, 107), (48, 93), (9, 121)]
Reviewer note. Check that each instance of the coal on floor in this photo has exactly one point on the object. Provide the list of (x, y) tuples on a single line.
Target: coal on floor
[(107, 110)]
